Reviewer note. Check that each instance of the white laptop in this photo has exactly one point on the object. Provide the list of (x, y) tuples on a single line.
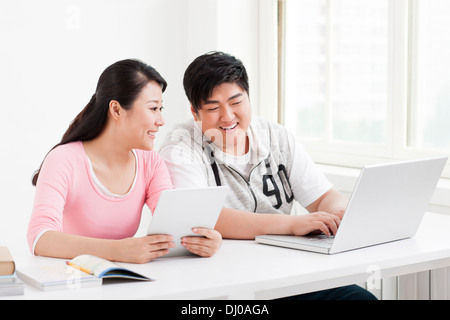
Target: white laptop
[(387, 204), (180, 210)]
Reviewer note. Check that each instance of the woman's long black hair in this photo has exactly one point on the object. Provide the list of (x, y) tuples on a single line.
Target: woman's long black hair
[(122, 81)]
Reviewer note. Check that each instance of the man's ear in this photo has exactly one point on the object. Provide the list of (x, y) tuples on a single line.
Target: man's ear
[(115, 109), (194, 113)]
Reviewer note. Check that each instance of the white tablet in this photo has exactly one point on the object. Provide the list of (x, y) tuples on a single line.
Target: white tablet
[(180, 210)]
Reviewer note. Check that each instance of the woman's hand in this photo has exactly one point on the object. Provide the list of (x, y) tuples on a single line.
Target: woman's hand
[(143, 249), (205, 246)]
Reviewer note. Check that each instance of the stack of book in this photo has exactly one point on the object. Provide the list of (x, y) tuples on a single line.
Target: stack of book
[(82, 271), (10, 284)]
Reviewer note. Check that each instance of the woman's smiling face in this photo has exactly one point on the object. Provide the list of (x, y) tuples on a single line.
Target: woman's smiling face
[(144, 118)]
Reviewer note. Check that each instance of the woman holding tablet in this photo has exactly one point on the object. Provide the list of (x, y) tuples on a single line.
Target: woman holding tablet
[(92, 186)]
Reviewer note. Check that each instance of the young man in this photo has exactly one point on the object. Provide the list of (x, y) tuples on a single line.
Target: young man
[(262, 163)]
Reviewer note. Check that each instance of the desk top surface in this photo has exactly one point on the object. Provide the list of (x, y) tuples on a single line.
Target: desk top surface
[(245, 269)]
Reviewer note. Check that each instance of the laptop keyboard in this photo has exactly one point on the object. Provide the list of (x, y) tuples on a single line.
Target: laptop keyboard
[(321, 238)]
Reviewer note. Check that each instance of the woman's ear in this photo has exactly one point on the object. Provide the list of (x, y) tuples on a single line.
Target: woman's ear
[(115, 109)]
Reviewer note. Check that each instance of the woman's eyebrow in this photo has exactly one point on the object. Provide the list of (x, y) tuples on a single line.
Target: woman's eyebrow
[(155, 101)]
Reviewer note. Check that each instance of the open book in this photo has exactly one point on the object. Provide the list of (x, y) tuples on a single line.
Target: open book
[(82, 271), (102, 268)]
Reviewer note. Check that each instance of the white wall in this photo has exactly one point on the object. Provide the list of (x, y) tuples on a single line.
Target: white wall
[(53, 51), (231, 26)]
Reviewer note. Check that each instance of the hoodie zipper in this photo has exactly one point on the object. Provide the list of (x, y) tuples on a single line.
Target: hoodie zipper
[(248, 183)]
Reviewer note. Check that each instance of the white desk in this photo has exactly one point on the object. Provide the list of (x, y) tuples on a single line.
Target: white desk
[(247, 270)]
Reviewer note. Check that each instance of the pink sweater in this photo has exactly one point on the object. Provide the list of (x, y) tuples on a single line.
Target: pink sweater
[(68, 200)]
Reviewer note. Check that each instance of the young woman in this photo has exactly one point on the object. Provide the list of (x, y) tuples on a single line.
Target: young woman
[(91, 187)]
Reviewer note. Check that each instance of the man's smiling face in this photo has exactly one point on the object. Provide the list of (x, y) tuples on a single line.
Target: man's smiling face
[(225, 117)]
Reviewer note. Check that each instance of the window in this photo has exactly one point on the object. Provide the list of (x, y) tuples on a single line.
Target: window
[(430, 75), (367, 81)]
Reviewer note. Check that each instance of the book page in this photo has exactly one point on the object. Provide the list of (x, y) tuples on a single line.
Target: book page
[(95, 265), (102, 268)]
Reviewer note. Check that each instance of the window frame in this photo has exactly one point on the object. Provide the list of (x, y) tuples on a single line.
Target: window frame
[(402, 36)]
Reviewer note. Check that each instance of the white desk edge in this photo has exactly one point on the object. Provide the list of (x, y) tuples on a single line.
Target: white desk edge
[(248, 270)]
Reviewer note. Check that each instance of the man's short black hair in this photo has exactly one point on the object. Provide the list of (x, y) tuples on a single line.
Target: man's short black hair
[(209, 71)]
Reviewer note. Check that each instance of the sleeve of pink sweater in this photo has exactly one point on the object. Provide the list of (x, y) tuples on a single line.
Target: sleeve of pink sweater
[(53, 185), (158, 177)]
